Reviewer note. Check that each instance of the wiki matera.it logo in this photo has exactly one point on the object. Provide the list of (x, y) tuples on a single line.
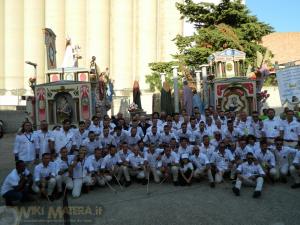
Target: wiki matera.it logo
[(83, 214)]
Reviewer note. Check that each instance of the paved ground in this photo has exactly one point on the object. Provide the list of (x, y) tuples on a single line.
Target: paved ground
[(166, 204)]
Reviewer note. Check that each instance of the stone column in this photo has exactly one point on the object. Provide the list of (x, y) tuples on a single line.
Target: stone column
[(198, 80), (146, 43), (34, 47), (55, 20), (98, 32), (176, 91), (14, 44), (169, 25), (121, 27), (75, 21), (1, 44)]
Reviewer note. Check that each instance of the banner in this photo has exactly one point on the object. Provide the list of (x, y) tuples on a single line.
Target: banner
[(289, 84)]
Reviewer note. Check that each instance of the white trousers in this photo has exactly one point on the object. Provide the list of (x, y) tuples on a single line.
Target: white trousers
[(77, 185), (49, 185), (155, 172), (258, 183), (201, 172), (61, 179), (139, 174)]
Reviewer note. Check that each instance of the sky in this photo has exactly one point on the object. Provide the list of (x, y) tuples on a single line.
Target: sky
[(283, 15)]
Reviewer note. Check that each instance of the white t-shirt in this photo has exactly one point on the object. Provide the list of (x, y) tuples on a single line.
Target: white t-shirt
[(11, 181)]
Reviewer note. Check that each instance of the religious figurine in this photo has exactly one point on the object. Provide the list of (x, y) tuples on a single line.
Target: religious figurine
[(64, 110), (69, 57), (137, 94), (187, 98), (166, 99)]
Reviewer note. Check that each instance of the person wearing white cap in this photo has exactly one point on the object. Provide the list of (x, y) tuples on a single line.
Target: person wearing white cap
[(186, 171), (249, 173)]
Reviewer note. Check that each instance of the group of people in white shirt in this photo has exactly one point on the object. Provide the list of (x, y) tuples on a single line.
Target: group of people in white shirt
[(181, 149)]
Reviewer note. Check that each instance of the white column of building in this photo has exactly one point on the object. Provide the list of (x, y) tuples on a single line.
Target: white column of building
[(1, 44), (34, 50), (146, 45), (98, 32), (169, 25), (121, 27), (75, 26), (14, 44), (55, 20)]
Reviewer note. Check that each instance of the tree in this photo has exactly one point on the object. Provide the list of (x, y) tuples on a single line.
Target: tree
[(226, 25)]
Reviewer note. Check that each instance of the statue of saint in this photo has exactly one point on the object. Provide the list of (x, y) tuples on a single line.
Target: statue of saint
[(64, 110), (166, 99), (137, 94), (69, 57)]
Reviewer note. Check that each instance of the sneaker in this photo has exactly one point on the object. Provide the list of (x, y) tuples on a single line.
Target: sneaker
[(256, 194), (176, 183), (212, 184), (51, 198), (236, 191), (296, 185)]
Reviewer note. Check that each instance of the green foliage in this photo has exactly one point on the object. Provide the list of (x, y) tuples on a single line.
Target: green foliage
[(226, 25), (154, 79)]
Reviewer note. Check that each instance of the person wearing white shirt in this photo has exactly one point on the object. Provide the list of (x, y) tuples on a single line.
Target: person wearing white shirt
[(186, 170), (166, 136), (252, 145), (139, 130), (257, 124), (119, 135), (283, 155), (16, 185), (216, 139), (124, 152), (170, 164), (26, 145), (242, 150), (62, 175), (231, 132), (185, 133), (64, 138), (291, 130), (249, 173), (44, 177), (206, 148), (176, 123), (110, 166), (201, 164), (134, 166), (244, 125), (200, 133), (90, 143), (95, 126), (267, 160), (210, 128), (43, 137), (295, 169), (152, 161), (272, 127), (106, 139), (192, 126), (80, 134), (93, 164), (133, 137), (222, 162), (79, 171), (152, 137), (184, 147)]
